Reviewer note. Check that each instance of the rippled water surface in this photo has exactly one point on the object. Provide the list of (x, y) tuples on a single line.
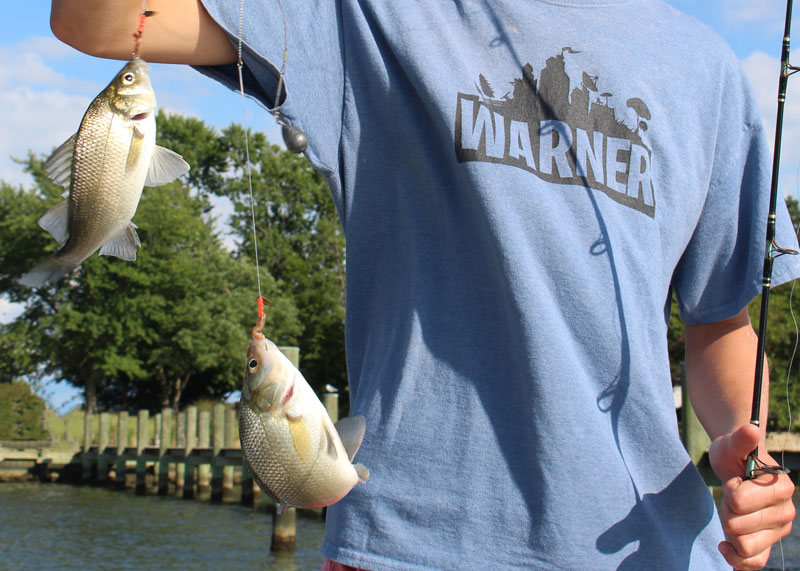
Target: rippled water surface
[(55, 526)]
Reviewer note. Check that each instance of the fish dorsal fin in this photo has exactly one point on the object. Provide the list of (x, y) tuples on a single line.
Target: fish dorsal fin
[(56, 221), (351, 430), (123, 245), (165, 166), (59, 165)]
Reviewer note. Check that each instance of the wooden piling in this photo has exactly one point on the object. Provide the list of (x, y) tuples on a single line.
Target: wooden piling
[(331, 401), (284, 534), (122, 443), (180, 442), (248, 490), (217, 444), (204, 441), (157, 430), (86, 460), (141, 444), (164, 443), (191, 444), (230, 442), (103, 432)]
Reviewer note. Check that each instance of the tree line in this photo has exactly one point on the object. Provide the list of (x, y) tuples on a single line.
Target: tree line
[(173, 327)]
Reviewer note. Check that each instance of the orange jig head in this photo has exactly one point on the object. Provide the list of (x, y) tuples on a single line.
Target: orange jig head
[(262, 318)]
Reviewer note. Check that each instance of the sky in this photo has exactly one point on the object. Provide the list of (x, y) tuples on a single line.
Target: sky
[(45, 87)]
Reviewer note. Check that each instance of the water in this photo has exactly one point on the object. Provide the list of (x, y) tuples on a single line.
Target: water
[(55, 526)]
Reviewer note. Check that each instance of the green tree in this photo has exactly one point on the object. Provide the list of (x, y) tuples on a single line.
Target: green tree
[(141, 332), (21, 413), (781, 344), (300, 242), (21, 239), (176, 322), (200, 145)]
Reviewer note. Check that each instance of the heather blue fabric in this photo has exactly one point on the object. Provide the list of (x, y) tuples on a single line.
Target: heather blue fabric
[(521, 186)]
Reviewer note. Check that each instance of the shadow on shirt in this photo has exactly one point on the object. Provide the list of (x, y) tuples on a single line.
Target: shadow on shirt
[(648, 524)]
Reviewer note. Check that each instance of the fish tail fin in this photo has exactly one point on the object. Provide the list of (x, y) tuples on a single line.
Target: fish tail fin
[(49, 269), (362, 472)]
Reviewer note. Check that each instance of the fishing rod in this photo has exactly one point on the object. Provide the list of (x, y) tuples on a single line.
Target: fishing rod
[(754, 465)]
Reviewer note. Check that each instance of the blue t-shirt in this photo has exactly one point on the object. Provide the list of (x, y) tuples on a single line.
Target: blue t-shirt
[(522, 185)]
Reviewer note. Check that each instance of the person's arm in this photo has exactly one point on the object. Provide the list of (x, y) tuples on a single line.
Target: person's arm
[(720, 366), (181, 31)]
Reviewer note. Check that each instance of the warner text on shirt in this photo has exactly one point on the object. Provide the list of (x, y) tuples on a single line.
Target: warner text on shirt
[(563, 136)]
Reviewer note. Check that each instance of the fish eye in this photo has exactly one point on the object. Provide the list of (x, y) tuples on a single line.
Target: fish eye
[(252, 364), (128, 78)]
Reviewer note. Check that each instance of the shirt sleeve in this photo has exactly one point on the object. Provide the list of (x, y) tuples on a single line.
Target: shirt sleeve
[(313, 90), (721, 269)]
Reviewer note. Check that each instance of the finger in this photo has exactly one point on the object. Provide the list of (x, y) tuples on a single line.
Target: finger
[(752, 551), (751, 544), (749, 496), (728, 453), (744, 440), (740, 563), (772, 518)]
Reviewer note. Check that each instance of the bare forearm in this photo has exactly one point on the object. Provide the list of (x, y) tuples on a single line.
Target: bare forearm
[(720, 366), (180, 32)]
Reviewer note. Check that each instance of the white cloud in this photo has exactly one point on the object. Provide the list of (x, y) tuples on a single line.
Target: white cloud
[(762, 70), (46, 86), (25, 65), (36, 120)]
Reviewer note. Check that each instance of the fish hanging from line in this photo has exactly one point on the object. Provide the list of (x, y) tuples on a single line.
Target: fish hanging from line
[(294, 451), (105, 165)]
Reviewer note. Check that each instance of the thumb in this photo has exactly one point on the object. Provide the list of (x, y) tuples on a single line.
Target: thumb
[(728, 453), (744, 440)]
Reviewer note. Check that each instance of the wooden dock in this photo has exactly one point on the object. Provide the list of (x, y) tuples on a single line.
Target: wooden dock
[(192, 454), (196, 454)]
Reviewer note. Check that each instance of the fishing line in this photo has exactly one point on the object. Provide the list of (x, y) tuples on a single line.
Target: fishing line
[(239, 67), (295, 139), (789, 368)]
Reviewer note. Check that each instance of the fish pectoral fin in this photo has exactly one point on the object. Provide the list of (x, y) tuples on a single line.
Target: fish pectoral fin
[(328, 440), (165, 165), (351, 430), (56, 221), (123, 245), (59, 165)]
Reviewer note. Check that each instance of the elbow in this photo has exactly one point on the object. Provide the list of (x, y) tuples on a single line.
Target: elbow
[(64, 28), (83, 34)]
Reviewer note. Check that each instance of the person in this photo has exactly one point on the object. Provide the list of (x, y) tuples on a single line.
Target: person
[(523, 186)]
